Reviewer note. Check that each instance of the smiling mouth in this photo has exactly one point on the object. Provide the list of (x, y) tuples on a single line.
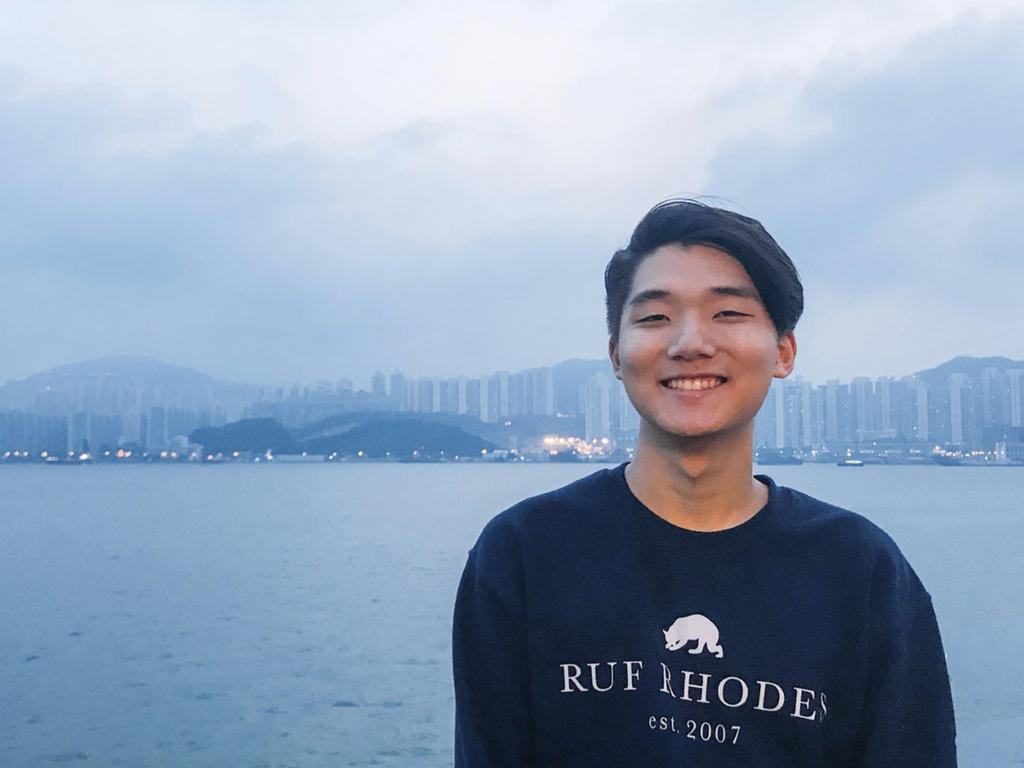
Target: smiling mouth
[(694, 383)]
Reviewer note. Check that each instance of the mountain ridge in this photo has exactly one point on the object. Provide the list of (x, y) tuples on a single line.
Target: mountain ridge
[(146, 367)]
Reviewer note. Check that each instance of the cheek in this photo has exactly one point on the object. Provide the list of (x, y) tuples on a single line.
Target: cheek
[(635, 353), (760, 349)]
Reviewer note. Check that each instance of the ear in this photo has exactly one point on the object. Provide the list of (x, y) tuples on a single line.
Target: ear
[(665, 633), (613, 353), (786, 357)]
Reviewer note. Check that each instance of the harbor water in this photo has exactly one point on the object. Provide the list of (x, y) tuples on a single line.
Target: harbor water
[(300, 615)]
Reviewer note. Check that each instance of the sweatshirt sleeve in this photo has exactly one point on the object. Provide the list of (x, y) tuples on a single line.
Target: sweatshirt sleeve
[(907, 719), (493, 724)]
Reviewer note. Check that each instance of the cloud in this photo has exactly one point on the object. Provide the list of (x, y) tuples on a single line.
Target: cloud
[(903, 194), (250, 258), (319, 194)]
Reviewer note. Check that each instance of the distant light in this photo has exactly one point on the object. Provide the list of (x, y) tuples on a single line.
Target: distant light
[(84, 457), (358, 454), (43, 454), (483, 451)]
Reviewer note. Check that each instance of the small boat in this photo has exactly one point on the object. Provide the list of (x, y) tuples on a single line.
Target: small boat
[(850, 463)]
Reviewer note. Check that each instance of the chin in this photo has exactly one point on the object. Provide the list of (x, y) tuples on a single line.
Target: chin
[(683, 430), (687, 431)]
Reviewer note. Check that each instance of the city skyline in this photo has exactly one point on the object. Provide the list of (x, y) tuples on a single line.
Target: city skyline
[(964, 403), (366, 382)]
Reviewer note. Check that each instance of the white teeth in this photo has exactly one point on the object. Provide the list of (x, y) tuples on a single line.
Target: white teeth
[(693, 384)]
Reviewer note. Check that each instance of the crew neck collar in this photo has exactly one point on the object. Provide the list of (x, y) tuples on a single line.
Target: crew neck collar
[(650, 518)]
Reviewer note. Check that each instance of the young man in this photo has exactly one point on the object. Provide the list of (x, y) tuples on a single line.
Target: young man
[(678, 610)]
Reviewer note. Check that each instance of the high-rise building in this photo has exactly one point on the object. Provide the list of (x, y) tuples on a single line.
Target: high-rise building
[(887, 419), (435, 394), (542, 392), (957, 384), (501, 380), (379, 389), (832, 434), (597, 413), (1015, 385), (861, 396), (396, 393), (628, 420), (487, 411)]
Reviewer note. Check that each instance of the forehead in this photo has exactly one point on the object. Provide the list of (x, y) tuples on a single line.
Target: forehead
[(689, 269)]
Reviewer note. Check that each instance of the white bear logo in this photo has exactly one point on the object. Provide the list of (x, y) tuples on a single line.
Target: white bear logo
[(694, 627)]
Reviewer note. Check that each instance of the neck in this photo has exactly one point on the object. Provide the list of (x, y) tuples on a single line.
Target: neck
[(703, 483)]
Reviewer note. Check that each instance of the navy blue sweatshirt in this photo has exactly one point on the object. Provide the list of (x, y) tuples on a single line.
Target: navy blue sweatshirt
[(590, 632)]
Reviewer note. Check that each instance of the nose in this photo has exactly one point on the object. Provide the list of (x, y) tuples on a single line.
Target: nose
[(692, 340)]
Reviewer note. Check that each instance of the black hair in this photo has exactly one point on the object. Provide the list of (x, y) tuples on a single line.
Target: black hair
[(690, 222)]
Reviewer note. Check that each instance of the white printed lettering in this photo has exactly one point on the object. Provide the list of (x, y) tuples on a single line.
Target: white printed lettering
[(780, 697), (632, 675), (745, 692), (801, 703), (574, 678), (703, 687), (611, 676), (666, 681)]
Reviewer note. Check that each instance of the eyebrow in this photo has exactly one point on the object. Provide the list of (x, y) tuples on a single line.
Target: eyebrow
[(656, 294), (651, 294), (739, 291)]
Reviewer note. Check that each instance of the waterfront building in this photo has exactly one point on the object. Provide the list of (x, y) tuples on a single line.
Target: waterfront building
[(1015, 399), (597, 407), (396, 391), (379, 389)]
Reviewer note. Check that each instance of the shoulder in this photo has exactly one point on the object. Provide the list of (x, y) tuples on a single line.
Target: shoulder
[(546, 514), (840, 532), (538, 525)]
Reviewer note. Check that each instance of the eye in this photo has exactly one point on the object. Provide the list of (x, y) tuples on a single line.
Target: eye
[(652, 318), (731, 313)]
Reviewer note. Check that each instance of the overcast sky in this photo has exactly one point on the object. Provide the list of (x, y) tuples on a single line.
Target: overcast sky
[(275, 192)]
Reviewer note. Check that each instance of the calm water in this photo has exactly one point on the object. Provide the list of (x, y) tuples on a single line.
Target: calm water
[(299, 615)]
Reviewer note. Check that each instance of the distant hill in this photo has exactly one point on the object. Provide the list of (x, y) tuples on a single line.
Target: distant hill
[(94, 380), (496, 433), (147, 370), (375, 437), (972, 366), (402, 438), (257, 435)]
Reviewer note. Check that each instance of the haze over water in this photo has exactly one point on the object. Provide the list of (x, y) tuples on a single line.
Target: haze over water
[(300, 615)]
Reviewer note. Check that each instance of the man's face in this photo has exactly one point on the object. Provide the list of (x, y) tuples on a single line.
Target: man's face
[(697, 349)]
